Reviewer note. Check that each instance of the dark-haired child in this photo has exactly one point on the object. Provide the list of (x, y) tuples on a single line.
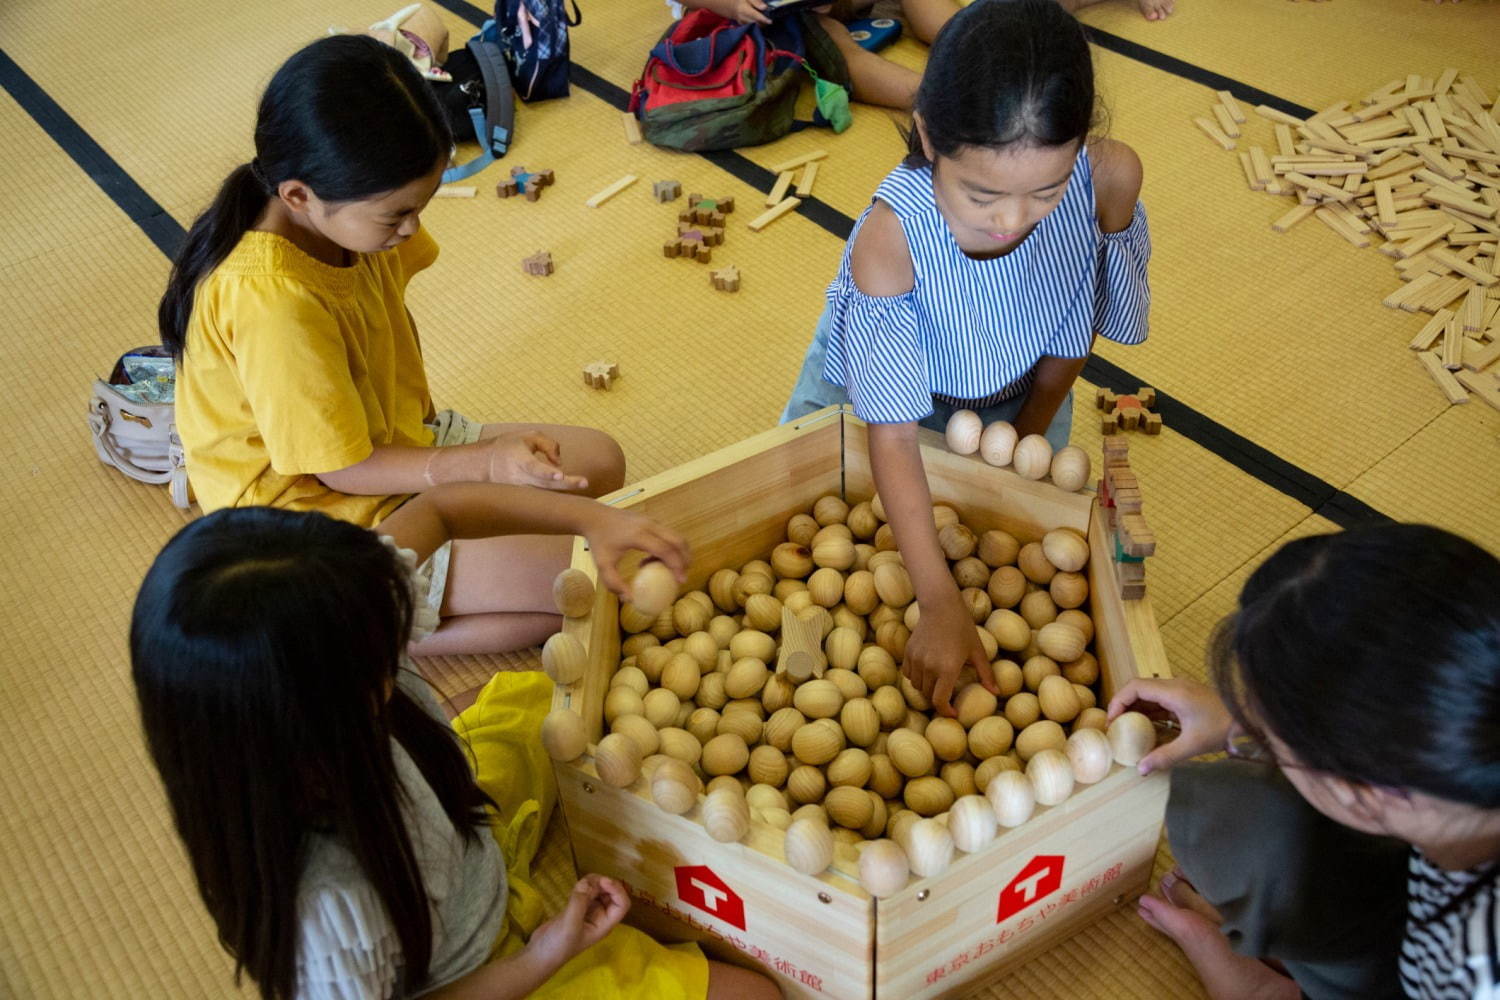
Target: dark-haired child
[(979, 277), (338, 834), (301, 383), (1350, 845)]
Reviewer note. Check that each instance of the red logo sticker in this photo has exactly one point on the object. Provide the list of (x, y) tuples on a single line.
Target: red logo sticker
[(700, 888), (1041, 876)]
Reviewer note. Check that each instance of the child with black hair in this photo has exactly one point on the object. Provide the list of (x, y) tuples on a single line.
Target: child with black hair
[(301, 383), (1350, 845), (978, 278), (337, 832)]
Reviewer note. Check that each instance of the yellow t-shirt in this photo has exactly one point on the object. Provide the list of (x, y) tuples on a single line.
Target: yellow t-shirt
[(293, 367)]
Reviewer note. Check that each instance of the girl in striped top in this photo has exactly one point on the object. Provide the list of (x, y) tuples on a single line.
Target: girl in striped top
[(1353, 849), (979, 277)]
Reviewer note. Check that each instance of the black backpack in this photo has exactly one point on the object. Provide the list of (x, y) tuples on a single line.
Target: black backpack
[(479, 103)]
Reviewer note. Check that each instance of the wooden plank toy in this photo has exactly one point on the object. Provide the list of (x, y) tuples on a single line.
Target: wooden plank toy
[(1215, 133), (609, 192), (726, 279), (456, 191), (779, 189), (600, 374), (805, 183), (769, 216), (632, 129), (538, 264), (797, 161)]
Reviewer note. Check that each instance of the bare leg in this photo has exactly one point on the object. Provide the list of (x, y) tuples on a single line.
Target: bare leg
[(730, 982), (1152, 10), (1178, 911), (876, 80), (586, 451), (927, 17)]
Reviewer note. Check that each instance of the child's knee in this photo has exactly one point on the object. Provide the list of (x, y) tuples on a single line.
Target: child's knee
[(606, 465)]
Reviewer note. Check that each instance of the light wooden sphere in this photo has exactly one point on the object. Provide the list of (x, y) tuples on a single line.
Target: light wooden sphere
[(771, 816), (889, 705), (944, 516), (744, 724), (818, 699), (998, 548), (674, 786), (801, 528), (689, 616), (633, 678), (1086, 697), (564, 736), (1079, 620), (1011, 797), (877, 668), (910, 752), (1058, 700), (1131, 737), (681, 676), (973, 703), (959, 776), (1008, 677), (768, 766), (1037, 669), (702, 723), (830, 510), (1006, 587), (755, 582), (927, 796), (825, 588), (725, 754), (754, 644), (680, 744), (1065, 549), (806, 784), (977, 602), (777, 694), (1022, 709), (929, 847), (842, 648), (721, 589), (641, 732), (632, 645), (653, 589), (835, 552), (893, 584), (1063, 643), (780, 727), (809, 846), (899, 824), (701, 647), (618, 760), (660, 707), (1033, 562), (862, 521), (957, 542), (726, 815), (990, 737), (860, 720), (971, 572), (997, 445), (848, 807), (573, 593), (1042, 735), (860, 595), (1038, 608), (885, 780), (986, 771), (963, 432), (818, 742), (883, 868), (948, 739), (1092, 718), (1033, 457), (1009, 629), (971, 821), (763, 613), (1051, 776), (729, 781), (563, 658), (791, 561), (622, 701), (745, 678), (1070, 468), (765, 797), (1090, 755), (1069, 590), (633, 619), (652, 660), (711, 691)]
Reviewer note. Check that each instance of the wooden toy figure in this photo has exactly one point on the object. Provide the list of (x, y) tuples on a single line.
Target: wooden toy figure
[(711, 235), (528, 183), (690, 244), (666, 191), (538, 264), (600, 374), (706, 211), (1128, 411), (726, 279), (1120, 500)]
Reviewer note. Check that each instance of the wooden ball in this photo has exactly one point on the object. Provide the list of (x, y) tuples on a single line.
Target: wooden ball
[(618, 760), (809, 846), (959, 776), (1063, 643), (1033, 457), (564, 736), (848, 807), (632, 645), (633, 678), (765, 797), (884, 779), (997, 445), (721, 589), (877, 668), (977, 603), (763, 613), (1006, 587), (702, 647), (1033, 562), (653, 589), (622, 701), (674, 786), (573, 593), (998, 548), (781, 726), (1038, 609), (725, 754), (690, 616), (771, 816), (830, 510), (910, 752), (860, 720), (681, 676), (806, 784), (889, 705), (752, 583), (652, 660), (1090, 755), (929, 847), (818, 699), (943, 516), (990, 737), (970, 572), (1008, 677), (1065, 549), (883, 868), (987, 769), (1051, 776), (927, 796), (746, 678), (1011, 797), (963, 432), (948, 739), (1092, 718), (680, 744), (825, 588), (1023, 709), (835, 552), (1069, 590), (842, 648), (860, 595), (1042, 735), (641, 732), (726, 815), (1070, 469), (852, 767), (1086, 696), (893, 584), (1079, 620), (1131, 737), (1009, 629), (1037, 669), (563, 658), (768, 766), (801, 529), (791, 561), (862, 521), (971, 821), (817, 742), (752, 644), (1058, 700), (711, 691), (973, 703), (912, 616), (956, 541), (746, 725)]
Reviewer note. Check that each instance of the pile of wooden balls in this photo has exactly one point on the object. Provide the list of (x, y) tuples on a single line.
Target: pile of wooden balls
[(1030, 457), (853, 757)]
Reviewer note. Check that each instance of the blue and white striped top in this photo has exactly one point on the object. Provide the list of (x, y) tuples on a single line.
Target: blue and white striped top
[(973, 330)]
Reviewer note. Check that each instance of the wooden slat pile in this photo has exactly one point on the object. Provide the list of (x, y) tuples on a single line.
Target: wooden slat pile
[(1413, 170)]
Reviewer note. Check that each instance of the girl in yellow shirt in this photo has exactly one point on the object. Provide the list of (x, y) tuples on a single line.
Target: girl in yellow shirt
[(300, 375)]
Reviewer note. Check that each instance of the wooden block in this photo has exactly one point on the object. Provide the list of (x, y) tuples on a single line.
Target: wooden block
[(1291, 218), (1445, 81), (725, 279), (1453, 343), (1430, 333), (455, 191), (665, 191), (1484, 385), (611, 191), (632, 128), (538, 264), (769, 216), (1452, 261), (1338, 225), (801, 647), (1322, 168), (1478, 357), (797, 161), (1443, 294), (1473, 311), (1214, 132), (1443, 377), (1284, 140), (1386, 202), (805, 183), (600, 374), (1325, 191), (1232, 106), (1419, 243), (1441, 196), (1409, 296), (1226, 121), (1352, 218), (1268, 112), (1255, 183), (778, 191), (1435, 160)]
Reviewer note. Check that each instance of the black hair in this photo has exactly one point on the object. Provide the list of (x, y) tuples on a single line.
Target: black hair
[(1374, 655), (265, 646), (347, 115), (1005, 73)]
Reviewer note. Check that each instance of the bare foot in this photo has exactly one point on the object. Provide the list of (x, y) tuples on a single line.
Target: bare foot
[(1184, 917), (1156, 10)]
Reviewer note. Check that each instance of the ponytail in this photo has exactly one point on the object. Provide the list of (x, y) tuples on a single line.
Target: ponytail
[(241, 199)]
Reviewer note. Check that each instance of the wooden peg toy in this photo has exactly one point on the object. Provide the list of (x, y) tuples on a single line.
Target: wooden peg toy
[(779, 189), (632, 129), (538, 264), (726, 279), (711, 235), (456, 191), (665, 191), (1128, 411), (797, 161), (524, 182), (706, 211), (600, 374), (690, 245), (770, 215), (805, 182), (609, 192)]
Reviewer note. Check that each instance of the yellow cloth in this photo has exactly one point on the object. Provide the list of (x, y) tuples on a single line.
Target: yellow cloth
[(503, 729), (293, 367)]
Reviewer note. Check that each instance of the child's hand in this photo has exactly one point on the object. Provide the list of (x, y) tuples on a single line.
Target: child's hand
[(614, 532), (1198, 709), (943, 641), (526, 458), (595, 907), (747, 11)]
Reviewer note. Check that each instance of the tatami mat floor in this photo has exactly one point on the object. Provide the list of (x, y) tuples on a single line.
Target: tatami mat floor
[(1281, 339)]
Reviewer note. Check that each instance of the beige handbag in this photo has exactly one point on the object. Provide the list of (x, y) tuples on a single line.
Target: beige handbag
[(138, 436)]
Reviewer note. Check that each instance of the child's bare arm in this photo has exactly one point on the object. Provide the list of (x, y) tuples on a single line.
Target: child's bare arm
[(743, 11), (1054, 377)]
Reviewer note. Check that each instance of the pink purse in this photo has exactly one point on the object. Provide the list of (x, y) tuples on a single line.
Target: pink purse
[(132, 418)]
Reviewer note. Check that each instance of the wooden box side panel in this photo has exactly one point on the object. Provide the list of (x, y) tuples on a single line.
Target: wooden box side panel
[(740, 895), (1032, 887), (600, 634), (1126, 641)]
